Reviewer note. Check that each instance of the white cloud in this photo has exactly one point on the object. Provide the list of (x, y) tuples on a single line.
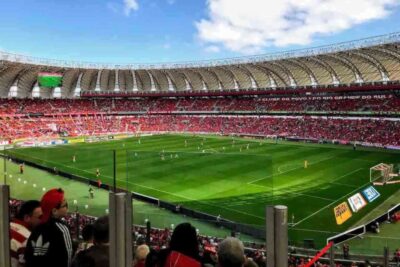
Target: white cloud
[(248, 26), (129, 6), (212, 49)]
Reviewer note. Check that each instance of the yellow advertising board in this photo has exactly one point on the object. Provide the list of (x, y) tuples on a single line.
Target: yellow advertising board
[(74, 141), (342, 213)]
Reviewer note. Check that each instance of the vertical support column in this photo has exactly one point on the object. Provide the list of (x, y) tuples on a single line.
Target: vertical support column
[(129, 229), (4, 166), (386, 256), (134, 81), (281, 236), (116, 88), (148, 229), (4, 226), (120, 229), (332, 256), (36, 92), (98, 88), (152, 83), (270, 238), (78, 89), (13, 90), (277, 236)]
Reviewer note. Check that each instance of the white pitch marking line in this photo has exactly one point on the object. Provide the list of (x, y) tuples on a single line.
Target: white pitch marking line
[(165, 192), (269, 176), (295, 193), (318, 211), (347, 174), (352, 186)]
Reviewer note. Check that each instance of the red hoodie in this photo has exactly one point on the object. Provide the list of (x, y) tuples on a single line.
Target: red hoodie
[(176, 259)]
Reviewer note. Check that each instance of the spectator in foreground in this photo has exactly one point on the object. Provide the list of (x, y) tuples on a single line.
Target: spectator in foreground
[(250, 263), (50, 243), (231, 253), (183, 249), (140, 255), (98, 254), (27, 218), (397, 255), (87, 236)]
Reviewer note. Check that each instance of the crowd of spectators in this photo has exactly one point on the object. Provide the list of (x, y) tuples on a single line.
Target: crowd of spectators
[(386, 103), (379, 131), (375, 131), (182, 245), (36, 118)]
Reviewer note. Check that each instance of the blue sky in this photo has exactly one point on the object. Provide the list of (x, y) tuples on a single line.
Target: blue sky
[(149, 31)]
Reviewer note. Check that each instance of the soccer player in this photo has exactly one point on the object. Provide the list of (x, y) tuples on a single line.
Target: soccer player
[(73, 158), (305, 164), (21, 168), (99, 183), (97, 173), (91, 192)]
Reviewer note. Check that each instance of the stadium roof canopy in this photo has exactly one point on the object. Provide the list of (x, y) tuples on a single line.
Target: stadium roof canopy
[(375, 59)]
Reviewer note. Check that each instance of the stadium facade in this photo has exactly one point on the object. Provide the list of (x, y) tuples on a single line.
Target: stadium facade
[(373, 60)]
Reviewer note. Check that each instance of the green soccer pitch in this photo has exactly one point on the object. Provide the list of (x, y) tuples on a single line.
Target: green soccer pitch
[(232, 177)]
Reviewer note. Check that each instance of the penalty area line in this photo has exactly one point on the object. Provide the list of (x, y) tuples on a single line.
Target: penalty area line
[(318, 211), (269, 176), (295, 193)]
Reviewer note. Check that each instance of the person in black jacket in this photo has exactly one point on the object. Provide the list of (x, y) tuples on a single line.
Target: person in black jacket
[(98, 254), (50, 243)]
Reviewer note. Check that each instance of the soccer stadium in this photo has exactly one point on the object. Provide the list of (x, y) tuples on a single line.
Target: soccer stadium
[(295, 154)]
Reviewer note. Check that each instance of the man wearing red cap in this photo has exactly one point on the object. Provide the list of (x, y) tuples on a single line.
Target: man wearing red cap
[(50, 243)]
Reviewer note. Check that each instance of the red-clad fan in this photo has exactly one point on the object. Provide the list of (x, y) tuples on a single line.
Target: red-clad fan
[(27, 218)]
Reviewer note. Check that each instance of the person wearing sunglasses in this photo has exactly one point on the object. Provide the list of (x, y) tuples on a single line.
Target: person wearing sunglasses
[(50, 244)]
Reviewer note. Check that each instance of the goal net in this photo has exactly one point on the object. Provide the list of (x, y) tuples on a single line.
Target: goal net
[(381, 173)]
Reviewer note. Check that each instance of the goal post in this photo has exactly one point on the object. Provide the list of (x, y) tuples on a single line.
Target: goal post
[(381, 173)]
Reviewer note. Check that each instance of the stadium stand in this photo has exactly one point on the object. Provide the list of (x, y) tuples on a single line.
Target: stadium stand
[(365, 103), (337, 94), (159, 239), (375, 131), (27, 118)]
